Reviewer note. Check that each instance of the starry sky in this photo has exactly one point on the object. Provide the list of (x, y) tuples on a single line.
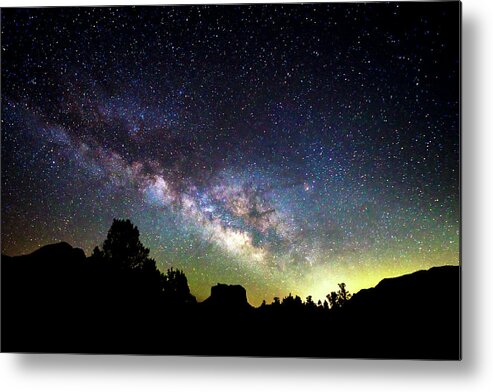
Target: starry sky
[(285, 148)]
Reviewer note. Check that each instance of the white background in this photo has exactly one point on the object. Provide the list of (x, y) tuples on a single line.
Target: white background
[(132, 373)]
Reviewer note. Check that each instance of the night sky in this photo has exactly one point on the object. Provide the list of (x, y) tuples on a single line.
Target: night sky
[(285, 148)]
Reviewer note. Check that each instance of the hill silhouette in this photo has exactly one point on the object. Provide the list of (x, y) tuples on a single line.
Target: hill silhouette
[(419, 312), (58, 300)]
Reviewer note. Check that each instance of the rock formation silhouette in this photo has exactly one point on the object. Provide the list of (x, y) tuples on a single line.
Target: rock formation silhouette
[(224, 296)]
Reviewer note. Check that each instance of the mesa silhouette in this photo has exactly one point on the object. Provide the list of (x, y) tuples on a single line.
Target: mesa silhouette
[(116, 301)]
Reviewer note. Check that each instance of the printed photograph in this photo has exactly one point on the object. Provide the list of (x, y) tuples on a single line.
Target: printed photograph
[(266, 180)]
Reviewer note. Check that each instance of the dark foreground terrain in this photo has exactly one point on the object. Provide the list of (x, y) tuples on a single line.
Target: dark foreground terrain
[(58, 300)]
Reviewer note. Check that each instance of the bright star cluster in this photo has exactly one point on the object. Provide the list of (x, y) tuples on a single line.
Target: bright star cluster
[(285, 148)]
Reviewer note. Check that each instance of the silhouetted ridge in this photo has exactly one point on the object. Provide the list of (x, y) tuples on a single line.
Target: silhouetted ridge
[(419, 312), (59, 252), (51, 252), (53, 259), (412, 290), (58, 300)]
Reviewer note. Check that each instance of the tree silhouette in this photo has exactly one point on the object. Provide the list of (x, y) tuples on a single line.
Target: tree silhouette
[(309, 302), (343, 294), (97, 253), (175, 287), (123, 246), (333, 300), (339, 298), (288, 301)]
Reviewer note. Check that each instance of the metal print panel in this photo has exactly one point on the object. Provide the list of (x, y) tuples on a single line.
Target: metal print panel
[(261, 180)]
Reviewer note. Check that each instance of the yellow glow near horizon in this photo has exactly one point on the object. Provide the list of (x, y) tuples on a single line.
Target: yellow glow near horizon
[(320, 280)]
